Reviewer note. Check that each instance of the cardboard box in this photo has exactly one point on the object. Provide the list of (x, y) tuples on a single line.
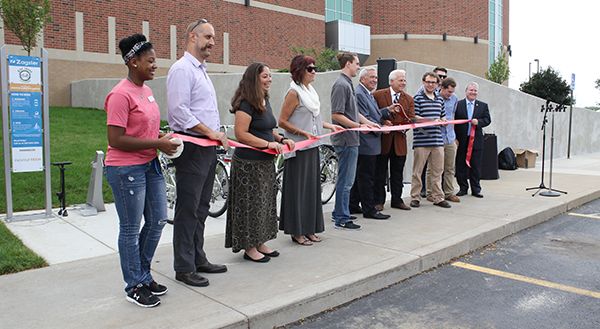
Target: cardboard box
[(526, 158)]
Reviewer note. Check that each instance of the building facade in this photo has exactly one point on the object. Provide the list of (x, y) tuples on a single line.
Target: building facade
[(83, 36)]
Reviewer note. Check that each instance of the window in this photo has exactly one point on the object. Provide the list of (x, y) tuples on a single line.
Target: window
[(338, 10), (495, 30)]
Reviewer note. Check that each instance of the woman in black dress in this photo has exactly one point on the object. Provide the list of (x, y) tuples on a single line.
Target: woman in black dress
[(301, 209), (252, 213)]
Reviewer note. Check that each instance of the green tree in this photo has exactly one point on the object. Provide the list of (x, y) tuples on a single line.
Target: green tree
[(548, 84), (499, 70), (25, 18), (324, 59)]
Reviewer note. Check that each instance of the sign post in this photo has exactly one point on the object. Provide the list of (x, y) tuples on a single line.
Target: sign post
[(25, 120), (570, 115)]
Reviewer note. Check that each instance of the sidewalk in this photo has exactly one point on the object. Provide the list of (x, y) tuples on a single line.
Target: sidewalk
[(83, 286)]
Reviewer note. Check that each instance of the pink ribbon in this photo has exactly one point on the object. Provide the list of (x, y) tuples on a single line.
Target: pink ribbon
[(305, 143)]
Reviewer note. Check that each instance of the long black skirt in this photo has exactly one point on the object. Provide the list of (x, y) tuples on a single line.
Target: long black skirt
[(251, 205), (301, 208)]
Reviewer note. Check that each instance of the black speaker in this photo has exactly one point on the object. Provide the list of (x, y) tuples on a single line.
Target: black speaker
[(384, 67), (489, 168)]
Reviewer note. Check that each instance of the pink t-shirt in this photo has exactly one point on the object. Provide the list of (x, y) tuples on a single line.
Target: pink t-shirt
[(133, 108)]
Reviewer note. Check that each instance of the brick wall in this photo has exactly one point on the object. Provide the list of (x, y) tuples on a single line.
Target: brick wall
[(255, 34), (458, 18)]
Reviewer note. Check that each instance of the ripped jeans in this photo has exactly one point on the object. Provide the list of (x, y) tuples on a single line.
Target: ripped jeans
[(138, 190)]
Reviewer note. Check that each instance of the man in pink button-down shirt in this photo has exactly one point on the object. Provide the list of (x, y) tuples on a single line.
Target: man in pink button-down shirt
[(192, 104)]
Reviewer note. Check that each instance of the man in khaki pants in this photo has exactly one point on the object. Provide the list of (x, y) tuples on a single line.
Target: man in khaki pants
[(428, 145), (450, 143)]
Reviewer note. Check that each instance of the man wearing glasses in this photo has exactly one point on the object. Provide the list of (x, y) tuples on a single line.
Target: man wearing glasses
[(442, 73), (428, 144), (192, 110), (450, 143)]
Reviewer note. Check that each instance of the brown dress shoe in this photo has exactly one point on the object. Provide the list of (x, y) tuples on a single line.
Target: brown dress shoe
[(453, 198), (400, 205), (430, 198), (415, 203), (443, 204)]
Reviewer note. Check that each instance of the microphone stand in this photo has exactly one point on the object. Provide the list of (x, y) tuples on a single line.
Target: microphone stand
[(545, 109), (550, 191)]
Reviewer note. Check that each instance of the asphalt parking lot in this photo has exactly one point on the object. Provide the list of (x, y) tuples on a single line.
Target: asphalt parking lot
[(547, 276)]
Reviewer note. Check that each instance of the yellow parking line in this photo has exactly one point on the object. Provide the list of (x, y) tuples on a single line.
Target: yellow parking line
[(583, 215), (517, 277)]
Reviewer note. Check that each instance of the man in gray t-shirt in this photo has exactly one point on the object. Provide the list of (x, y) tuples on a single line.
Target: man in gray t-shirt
[(344, 112)]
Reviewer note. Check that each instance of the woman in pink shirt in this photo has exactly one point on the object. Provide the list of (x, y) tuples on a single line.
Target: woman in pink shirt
[(133, 171)]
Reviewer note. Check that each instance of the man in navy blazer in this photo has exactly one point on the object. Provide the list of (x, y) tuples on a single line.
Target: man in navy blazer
[(363, 190), (479, 114)]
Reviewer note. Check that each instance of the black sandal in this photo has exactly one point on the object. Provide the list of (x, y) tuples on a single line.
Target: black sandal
[(315, 239), (305, 242)]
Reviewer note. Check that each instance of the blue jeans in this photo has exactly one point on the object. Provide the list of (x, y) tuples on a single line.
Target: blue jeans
[(347, 159), (138, 190)]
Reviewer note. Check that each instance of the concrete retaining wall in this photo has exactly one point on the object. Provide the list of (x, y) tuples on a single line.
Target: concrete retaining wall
[(516, 116)]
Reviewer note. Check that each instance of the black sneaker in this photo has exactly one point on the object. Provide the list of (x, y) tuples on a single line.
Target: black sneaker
[(157, 289), (142, 296), (349, 225)]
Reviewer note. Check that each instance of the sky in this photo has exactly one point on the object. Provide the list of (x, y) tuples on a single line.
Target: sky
[(562, 34)]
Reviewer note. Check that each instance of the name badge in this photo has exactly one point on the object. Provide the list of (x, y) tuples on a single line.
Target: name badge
[(151, 99)]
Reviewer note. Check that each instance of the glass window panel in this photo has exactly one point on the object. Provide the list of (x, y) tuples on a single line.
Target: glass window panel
[(347, 7), (329, 16), (329, 4)]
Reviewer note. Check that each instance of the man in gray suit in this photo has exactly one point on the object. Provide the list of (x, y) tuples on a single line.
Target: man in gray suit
[(363, 190)]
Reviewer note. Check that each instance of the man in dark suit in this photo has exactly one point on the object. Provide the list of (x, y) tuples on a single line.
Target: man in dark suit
[(479, 114), (393, 145), (369, 149)]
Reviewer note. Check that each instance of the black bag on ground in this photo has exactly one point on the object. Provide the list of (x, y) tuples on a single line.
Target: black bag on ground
[(507, 159)]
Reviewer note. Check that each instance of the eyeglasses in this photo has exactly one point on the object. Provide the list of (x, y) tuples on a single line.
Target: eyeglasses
[(430, 82), (311, 69), (442, 76), (200, 21)]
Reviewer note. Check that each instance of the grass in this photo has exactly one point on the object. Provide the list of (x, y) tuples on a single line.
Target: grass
[(14, 256), (75, 135)]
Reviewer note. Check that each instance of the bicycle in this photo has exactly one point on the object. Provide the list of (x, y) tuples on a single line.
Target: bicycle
[(218, 199), (328, 173), (329, 169), (220, 191)]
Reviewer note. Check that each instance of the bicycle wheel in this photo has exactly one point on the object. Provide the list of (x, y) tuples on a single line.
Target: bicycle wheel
[(220, 191), (279, 187), (168, 171), (328, 178)]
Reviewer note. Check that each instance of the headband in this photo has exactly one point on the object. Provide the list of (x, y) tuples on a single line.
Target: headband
[(127, 57)]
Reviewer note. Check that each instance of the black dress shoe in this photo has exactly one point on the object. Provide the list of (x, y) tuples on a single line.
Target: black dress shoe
[(461, 193), (211, 268), (415, 203), (477, 195), (273, 253), (376, 215), (400, 205), (264, 259), (191, 279)]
